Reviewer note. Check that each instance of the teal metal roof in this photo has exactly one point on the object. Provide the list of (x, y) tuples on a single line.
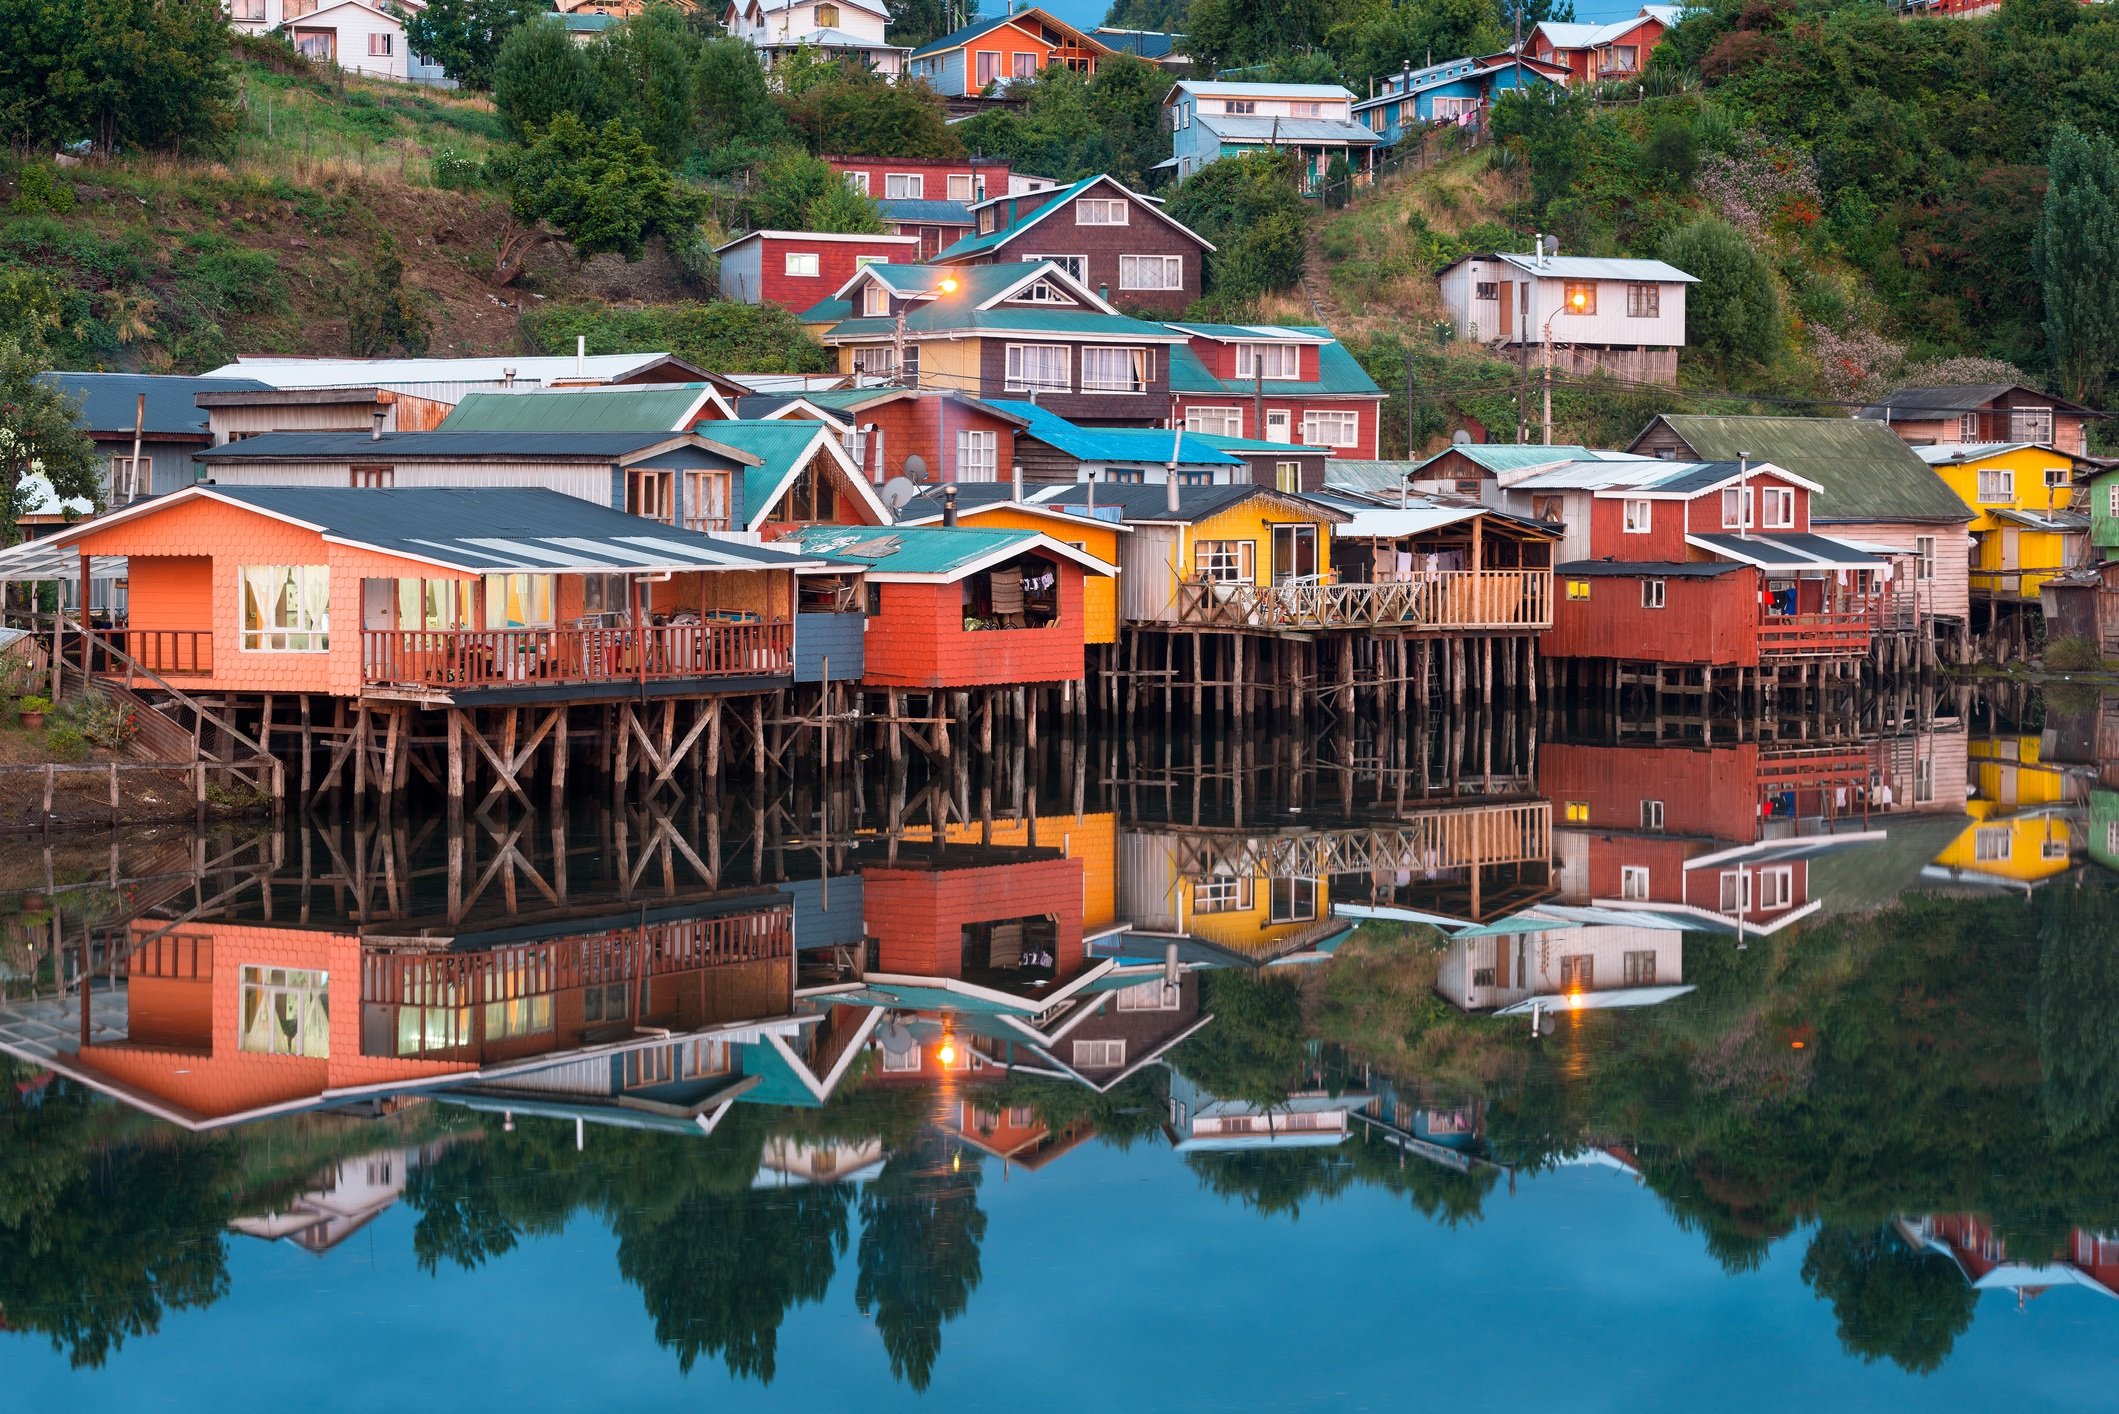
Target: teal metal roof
[(827, 311), (935, 550), (975, 243), (1114, 444), (1339, 373), (657, 409), (1517, 456), (1251, 444), (778, 1084), (780, 445), (1362, 474)]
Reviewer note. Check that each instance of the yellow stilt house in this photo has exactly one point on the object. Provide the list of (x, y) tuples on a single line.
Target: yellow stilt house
[(2026, 527)]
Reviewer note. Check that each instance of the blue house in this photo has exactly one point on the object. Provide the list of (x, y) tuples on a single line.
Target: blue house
[(1454, 91), (1314, 121)]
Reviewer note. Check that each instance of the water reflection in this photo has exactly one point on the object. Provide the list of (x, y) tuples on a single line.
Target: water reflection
[(1791, 988)]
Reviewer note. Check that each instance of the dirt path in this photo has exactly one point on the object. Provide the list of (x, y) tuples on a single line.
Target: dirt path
[(1316, 284)]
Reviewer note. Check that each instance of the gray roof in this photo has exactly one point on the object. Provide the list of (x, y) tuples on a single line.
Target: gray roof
[(1288, 130), (1589, 267), (439, 446), (1789, 550), (1365, 474), (1139, 503), (1964, 397), (1863, 471), (1660, 569), (490, 529), (110, 401)]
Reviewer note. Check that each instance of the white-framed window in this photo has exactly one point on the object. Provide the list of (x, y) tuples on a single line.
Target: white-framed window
[(875, 300), (1116, 370), (1223, 893), (1968, 427), (2031, 425), (1239, 105), (959, 186), (1287, 476), (1640, 517), (1991, 844), (1099, 1055), (1283, 361), (1075, 265), (1331, 428), (2111, 500), (986, 63), (904, 186), (858, 181), (1042, 292), (375, 478), (1644, 301), (286, 608), (1776, 507), (1151, 996), (1151, 272), (907, 1062), (1736, 891), (1225, 562), (246, 9), (1776, 888), (2056, 477), (1651, 814), (1044, 368), (1023, 64), (1997, 483), (1633, 881), (379, 46), (1294, 900), (1924, 553), (978, 455), (1923, 779), (874, 363), (130, 477), (804, 263), (1652, 591), (286, 1011), (1228, 422), (1737, 507), (1102, 211)]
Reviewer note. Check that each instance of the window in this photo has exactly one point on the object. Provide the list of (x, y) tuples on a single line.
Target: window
[(1228, 422), (1331, 429), (1735, 891), (286, 608), (1294, 900), (1652, 593), (803, 263), (1738, 506), (1776, 888), (1482, 977), (827, 16), (1287, 476), (1200, 476), (1633, 881), (903, 186), (1578, 589), (1924, 550), (1099, 1055), (706, 500), (1151, 272), (1024, 65), (379, 45), (1294, 554), (1268, 361), (1997, 483), (978, 456), (1037, 367), (1075, 265), (650, 493), (1644, 301), (1640, 517), (874, 363), (987, 66), (1042, 292), (1107, 370), (130, 479), (1968, 427), (372, 476), (875, 301), (519, 601), (1776, 505), (1224, 561), (318, 44), (1640, 969), (1150, 996), (286, 1012), (1651, 814), (1102, 211), (909, 1060), (2030, 424), (1486, 289), (1924, 780), (433, 604), (858, 181), (2055, 477), (1576, 812), (1578, 972), (1239, 105), (1581, 297), (1991, 844), (1222, 893), (246, 9), (959, 186), (523, 1016)]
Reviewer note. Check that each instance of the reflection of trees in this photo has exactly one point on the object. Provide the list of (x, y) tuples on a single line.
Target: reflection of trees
[(1131, 1110), (2072, 1006), (1273, 1181), (919, 1254), (1447, 1195), (1257, 1046), (1891, 1302)]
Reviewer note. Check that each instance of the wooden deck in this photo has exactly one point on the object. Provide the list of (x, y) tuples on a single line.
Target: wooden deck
[(1454, 838), (1783, 637), (1491, 601), (459, 658)]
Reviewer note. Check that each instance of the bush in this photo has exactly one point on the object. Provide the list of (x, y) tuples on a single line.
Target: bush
[(65, 742), (1733, 315), (454, 170), (38, 188), (2073, 655), (722, 335), (34, 703)]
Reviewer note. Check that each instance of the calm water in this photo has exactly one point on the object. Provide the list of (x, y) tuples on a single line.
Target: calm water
[(1482, 1064)]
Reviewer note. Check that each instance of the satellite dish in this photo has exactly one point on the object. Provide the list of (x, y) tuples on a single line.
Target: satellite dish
[(896, 1038), (1460, 438), (915, 467), (1551, 245), (898, 493)]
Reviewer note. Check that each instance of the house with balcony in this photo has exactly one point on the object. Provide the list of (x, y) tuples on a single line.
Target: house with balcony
[(2025, 525), (1022, 330), (985, 56), (1990, 413), (996, 507), (1614, 52), (1275, 383), (1110, 238), (1559, 958), (1212, 119), (850, 30), (1574, 313), (1454, 93)]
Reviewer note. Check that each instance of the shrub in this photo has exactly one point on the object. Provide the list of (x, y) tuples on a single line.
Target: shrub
[(454, 170), (2072, 655), (34, 703), (65, 742), (38, 188)]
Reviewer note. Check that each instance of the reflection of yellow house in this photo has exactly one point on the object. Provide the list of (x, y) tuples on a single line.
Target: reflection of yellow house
[(2021, 832), (2023, 524), (2009, 772), (1221, 890)]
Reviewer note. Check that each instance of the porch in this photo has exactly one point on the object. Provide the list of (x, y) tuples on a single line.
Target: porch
[(1500, 601), (452, 659)]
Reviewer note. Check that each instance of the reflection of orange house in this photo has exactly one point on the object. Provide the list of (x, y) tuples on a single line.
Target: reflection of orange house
[(1014, 1133), (1006, 929)]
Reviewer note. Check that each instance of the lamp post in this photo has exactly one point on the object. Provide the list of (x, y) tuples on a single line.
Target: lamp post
[(1576, 303), (947, 285)]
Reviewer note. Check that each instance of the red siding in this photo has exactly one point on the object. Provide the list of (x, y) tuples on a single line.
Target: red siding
[(1705, 512), (934, 172), (927, 427), (1369, 409), (919, 640), (1664, 540), (918, 916), (836, 263), (1705, 791), (1711, 621)]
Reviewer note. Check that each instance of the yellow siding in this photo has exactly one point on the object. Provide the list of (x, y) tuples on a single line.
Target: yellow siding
[(2036, 846), (951, 365), (1251, 929), (1099, 592), (2009, 559), (2007, 772), (1254, 521)]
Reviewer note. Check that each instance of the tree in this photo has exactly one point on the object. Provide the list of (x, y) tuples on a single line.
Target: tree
[(919, 1252), (602, 191), (122, 73), (859, 111), (2077, 255), (1165, 15), (382, 316), (843, 210), (1733, 315), (540, 73), (915, 22), (762, 338), (787, 184), (735, 102), (1250, 209), (465, 36), (1256, 1049), (1225, 33), (1384, 39), (40, 445), (1891, 1302), (2071, 1010), (644, 68)]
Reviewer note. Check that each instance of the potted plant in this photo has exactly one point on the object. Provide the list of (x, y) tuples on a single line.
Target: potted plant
[(32, 710)]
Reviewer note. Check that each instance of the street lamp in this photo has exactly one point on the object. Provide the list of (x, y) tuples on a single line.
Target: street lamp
[(947, 285), (1577, 303)]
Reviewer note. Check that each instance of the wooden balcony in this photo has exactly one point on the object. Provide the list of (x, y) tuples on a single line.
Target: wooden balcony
[(459, 658), (1782, 637), (1494, 601), (1460, 837), (2010, 584), (167, 652)]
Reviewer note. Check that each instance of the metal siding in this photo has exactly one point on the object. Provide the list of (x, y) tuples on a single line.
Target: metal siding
[(841, 637), (1147, 881), (828, 912), (1148, 574), (741, 273)]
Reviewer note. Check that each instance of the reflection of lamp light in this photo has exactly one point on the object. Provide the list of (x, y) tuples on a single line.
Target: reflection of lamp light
[(1574, 1000), (946, 1052)]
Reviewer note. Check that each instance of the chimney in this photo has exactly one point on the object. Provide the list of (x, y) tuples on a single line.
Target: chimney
[(507, 377), (949, 505), (581, 355), (375, 428), (1103, 292), (1015, 482)]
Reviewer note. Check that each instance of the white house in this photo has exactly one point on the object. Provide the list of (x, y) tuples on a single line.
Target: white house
[(1315, 121), (360, 36), (835, 29), (1623, 317)]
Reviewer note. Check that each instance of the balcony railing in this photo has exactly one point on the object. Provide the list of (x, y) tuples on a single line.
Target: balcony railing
[(458, 658), (1448, 599), (1843, 635), (170, 652), (2010, 584)]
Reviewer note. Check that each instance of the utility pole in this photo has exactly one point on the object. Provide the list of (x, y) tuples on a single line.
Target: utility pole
[(1408, 402), (1546, 344)]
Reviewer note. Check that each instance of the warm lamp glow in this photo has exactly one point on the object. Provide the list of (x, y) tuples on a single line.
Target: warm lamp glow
[(946, 1054), (1579, 300), (1574, 1000), (948, 285)]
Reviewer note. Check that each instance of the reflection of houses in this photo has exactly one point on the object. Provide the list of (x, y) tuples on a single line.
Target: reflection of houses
[(351, 1195), (1448, 1135), (1558, 958), (1203, 1122), (788, 1162), (1124, 1022), (1246, 900), (2027, 818), (1014, 1134), (2089, 1259)]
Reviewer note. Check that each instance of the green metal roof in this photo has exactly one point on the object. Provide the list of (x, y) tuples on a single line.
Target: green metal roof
[(780, 445), (1362, 474), (777, 1082), (1339, 373), (1866, 472), (829, 310), (1253, 444), (659, 409), (908, 549), (974, 244)]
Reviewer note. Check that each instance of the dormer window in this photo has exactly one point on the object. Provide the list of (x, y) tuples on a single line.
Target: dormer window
[(1044, 292), (875, 300), (827, 16), (1268, 361)]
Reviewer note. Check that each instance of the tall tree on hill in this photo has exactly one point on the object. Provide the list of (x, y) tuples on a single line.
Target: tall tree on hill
[(121, 73), (858, 112), (1226, 33), (464, 36), (645, 67), (1733, 315), (601, 190), (1163, 15), (39, 442), (540, 73), (2077, 254)]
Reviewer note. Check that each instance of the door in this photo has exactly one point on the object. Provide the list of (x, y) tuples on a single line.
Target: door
[(378, 615), (1294, 554), (2011, 550), (1279, 425), (1508, 308)]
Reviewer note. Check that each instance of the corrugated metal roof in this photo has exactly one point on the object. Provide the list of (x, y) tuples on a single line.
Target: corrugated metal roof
[(945, 552), (1221, 88), (1148, 44), (1394, 523), (1194, 503), (1359, 474), (1640, 473), (1339, 373), (1257, 444), (1957, 453), (1052, 201), (397, 372), (666, 408), (1591, 267), (1293, 130), (1656, 569), (920, 211), (1788, 551), (1923, 402), (1520, 456), (781, 446), (1863, 470), (1114, 444), (110, 401), (1256, 333), (438, 446)]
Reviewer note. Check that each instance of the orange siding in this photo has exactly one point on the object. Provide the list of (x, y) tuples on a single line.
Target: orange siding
[(919, 640), (919, 915)]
